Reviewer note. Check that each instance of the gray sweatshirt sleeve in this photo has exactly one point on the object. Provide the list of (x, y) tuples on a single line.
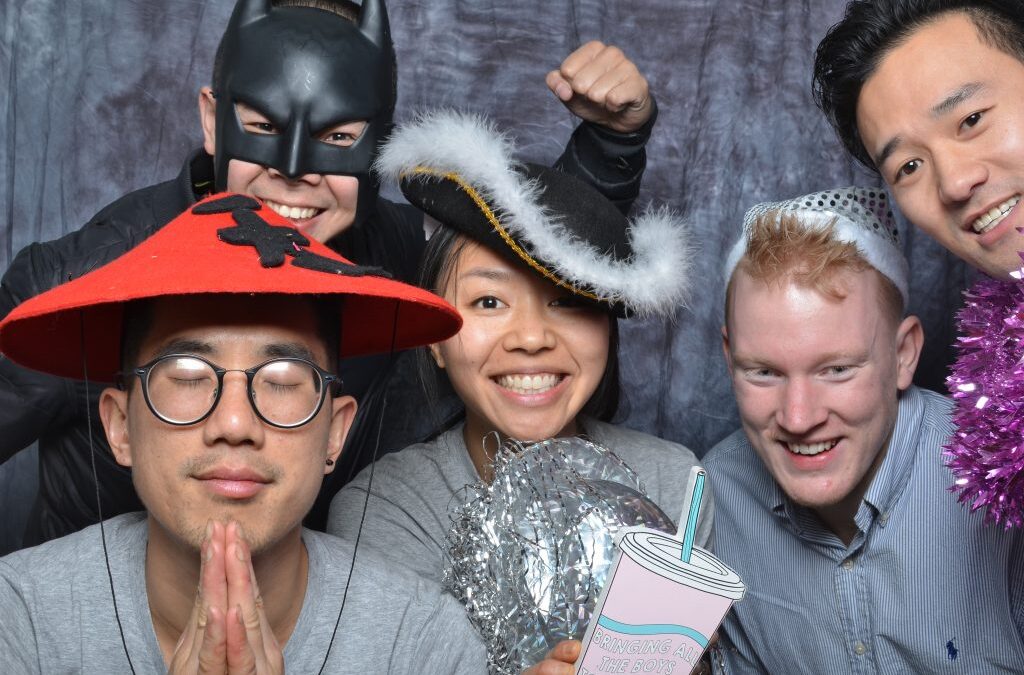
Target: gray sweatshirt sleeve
[(19, 651), (442, 641)]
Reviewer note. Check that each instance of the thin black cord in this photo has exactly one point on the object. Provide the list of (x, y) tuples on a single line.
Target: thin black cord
[(369, 487), (96, 482)]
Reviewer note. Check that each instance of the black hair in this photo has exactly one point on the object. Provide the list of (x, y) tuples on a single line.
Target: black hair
[(852, 49), (436, 269), (138, 319)]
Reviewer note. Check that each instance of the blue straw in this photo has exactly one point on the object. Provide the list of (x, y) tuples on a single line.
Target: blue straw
[(696, 491)]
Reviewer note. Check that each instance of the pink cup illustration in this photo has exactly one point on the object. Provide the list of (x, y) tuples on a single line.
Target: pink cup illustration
[(663, 601)]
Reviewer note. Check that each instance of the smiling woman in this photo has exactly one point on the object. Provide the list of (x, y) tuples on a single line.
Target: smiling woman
[(541, 268), (530, 355)]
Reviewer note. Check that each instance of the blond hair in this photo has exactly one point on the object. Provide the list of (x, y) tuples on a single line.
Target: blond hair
[(781, 248)]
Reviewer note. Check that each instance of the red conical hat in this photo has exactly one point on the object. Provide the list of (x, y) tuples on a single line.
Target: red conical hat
[(225, 244)]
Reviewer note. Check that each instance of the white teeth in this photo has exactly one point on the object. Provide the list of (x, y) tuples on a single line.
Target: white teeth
[(995, 216), (528, 384), (811, 448), (293, 212)]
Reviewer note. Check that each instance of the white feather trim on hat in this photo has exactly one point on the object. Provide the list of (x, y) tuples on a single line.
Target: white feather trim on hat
[(654, 280)]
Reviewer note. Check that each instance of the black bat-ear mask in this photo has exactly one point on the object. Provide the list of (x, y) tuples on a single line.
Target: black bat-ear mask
[(307, 70)]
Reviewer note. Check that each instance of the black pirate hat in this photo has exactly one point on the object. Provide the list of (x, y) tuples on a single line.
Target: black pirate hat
[(460, 170)]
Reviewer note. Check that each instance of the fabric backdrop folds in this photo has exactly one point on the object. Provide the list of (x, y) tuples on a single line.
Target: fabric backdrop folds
[(101, 99)]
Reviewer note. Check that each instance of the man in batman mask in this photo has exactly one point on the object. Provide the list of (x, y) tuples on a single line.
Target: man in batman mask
[(303, 92)]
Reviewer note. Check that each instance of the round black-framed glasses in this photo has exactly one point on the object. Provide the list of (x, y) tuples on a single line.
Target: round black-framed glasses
[(184, 389)]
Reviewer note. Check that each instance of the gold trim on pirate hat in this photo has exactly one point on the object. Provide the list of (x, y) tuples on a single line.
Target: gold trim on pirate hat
[(460, 170)]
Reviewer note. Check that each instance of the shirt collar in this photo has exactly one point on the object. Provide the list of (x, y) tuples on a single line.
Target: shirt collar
[(890, 479)]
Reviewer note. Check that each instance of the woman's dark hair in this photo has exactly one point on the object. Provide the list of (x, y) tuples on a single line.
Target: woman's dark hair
[(436, 269), (852, 49)]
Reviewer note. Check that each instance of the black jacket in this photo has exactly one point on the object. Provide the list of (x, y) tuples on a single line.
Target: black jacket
[(62, 414)]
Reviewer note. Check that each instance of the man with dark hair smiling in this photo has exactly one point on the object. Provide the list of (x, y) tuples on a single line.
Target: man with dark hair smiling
[(930, 93), (228, 419), (303, 92)]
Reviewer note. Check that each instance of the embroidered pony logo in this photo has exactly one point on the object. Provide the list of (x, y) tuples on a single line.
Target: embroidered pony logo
[(951, 651)]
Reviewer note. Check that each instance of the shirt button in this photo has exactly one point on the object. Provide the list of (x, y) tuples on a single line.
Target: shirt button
[(848, 564), (859, 648), (884, 518)]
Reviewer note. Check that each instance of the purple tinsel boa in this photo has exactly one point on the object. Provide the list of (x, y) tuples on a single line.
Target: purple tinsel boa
[(986, 452)]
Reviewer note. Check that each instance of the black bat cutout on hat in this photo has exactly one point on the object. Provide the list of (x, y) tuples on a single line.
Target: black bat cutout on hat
[(226, 205), (318, 263), (274, 242)]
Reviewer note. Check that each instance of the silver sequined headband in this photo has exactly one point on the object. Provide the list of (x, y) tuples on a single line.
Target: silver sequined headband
[(862, 217)]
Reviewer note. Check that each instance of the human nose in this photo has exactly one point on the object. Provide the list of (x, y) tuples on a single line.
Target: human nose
[(802, 408), (233, 420), (958, 174), (530, 330), (311, 178)]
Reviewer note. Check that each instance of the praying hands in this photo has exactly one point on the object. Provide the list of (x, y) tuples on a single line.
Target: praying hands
[(228, 631)]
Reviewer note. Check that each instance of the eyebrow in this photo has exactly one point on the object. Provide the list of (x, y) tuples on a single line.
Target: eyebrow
[(887, 150), (747, 361), (956, 98), (855, 358), (938, 110), (276, 350), (491, 273), (184, 346), (288, 350)]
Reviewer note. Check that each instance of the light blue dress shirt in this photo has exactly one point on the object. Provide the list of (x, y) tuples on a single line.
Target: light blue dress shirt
[(924, 587)]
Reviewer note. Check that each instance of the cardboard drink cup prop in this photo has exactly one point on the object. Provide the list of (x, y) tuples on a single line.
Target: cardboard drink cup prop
[(663, 601)]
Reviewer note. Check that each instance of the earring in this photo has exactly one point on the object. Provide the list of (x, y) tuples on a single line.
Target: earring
[(330, 462)]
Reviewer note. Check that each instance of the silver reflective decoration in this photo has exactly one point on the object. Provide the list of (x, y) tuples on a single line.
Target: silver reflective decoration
[(529, 553)]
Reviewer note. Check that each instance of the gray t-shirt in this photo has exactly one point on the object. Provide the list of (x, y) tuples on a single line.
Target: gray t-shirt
[(58, 616), (414, 490)]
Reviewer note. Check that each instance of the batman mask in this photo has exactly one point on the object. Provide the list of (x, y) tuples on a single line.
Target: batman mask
[(307, 70)]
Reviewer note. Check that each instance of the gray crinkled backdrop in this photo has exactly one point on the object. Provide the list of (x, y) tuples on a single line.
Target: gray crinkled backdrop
[(101, 99)]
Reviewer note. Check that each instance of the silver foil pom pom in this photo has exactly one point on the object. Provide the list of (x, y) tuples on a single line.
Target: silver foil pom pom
[(530, 553)]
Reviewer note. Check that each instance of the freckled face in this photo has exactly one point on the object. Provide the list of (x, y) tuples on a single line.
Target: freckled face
[(816, 382)]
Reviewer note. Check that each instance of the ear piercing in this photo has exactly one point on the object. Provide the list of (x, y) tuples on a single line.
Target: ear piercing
[(330, 462)]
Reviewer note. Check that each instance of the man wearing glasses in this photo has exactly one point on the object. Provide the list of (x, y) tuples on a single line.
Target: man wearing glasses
[(303, 93), (228, 419)]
